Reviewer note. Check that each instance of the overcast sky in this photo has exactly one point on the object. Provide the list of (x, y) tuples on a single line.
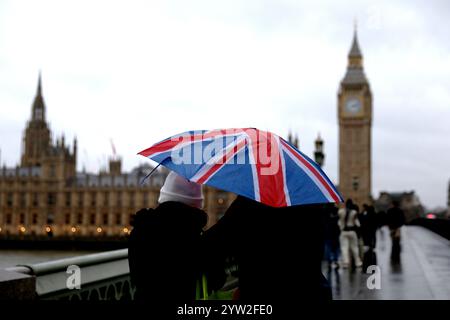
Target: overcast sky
[(139, 71)]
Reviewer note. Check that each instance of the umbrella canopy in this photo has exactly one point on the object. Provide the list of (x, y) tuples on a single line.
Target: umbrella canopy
[(253, 163)]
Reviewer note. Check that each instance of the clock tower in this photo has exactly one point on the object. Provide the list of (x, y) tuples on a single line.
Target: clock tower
[(355, 123)]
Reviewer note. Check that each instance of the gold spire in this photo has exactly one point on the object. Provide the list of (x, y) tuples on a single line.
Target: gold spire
[(355, 55)]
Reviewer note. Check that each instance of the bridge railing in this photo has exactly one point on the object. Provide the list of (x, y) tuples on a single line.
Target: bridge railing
[(103, 276), (439, 226)]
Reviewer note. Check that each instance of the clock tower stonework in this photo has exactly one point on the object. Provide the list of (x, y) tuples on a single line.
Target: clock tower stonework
[(355, 124)]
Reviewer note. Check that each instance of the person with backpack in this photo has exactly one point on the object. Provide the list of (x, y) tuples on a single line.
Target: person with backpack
[(349, 224)]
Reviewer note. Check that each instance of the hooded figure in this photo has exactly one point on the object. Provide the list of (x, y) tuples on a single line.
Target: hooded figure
[(278, 251), (164, 247)]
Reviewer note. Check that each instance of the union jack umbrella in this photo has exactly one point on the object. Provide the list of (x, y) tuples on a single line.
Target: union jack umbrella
[(253, 163)]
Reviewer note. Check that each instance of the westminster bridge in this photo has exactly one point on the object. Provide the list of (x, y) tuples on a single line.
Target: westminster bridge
[(422, 272)]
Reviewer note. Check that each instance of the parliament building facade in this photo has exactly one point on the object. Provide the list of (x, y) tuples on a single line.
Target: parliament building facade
[(46, 196)]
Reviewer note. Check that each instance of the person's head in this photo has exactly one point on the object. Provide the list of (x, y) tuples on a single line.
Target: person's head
[(179, 189), (365, 207)]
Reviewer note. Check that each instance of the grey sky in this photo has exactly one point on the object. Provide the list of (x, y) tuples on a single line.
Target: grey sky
[(139, 71)]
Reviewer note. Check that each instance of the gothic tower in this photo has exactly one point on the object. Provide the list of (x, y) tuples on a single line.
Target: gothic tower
[(355, 123), (319, 156), (36, 141)]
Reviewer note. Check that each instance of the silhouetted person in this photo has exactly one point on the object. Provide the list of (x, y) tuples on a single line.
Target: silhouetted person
[(332, 232), (278, 251), (165, 253), (349, 224), (395, 220), (382, 218), (369, 226)]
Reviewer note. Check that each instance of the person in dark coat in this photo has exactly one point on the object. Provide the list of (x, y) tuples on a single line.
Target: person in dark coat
[(332, 232), (395, 220), (278, 251), (395, 216), (165, 253), (369, 226)]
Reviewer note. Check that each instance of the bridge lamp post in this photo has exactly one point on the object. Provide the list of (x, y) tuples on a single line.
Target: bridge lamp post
[(319, 156)]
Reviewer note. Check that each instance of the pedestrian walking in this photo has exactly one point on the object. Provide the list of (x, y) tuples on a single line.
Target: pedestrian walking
[(349, 223), (369, 226), (395, 220), (332, 233)]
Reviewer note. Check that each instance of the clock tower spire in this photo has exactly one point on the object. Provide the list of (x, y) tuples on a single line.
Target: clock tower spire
[(355, 123), (355, 55), (36, 140)]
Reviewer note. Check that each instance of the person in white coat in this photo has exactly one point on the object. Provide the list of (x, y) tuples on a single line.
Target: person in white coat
[(348, 223)]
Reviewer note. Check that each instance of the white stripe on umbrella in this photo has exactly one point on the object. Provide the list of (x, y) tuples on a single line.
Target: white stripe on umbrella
[(253, 166), (309, 173), (283, 168), (213, 161)]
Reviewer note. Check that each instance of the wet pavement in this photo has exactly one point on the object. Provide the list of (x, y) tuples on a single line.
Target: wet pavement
[(422, 272)]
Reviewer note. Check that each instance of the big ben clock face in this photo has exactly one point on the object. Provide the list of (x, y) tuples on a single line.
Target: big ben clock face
[(353, 105)]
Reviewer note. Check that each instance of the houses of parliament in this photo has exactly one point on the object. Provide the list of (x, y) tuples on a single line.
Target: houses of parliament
[(46, 196)]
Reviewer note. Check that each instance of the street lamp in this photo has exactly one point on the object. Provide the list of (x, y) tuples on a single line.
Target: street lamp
[(319, 156)]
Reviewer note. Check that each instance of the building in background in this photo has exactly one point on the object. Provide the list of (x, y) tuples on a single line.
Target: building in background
[(409, 203), (293, 140), (448, 201), (46, 196), (355, 125), (319, 155)]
